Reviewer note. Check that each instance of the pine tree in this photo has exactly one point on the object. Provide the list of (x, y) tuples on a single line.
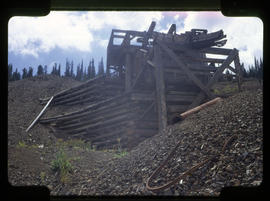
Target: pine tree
[(59, 70), (71, 70), (78, 75), (81, 71), (101, 67), (67, 72), (16, 75), (40, 70), (45, 70), (10, 72), (89, 70), (54, 69), (30, 72), (84, 74), (93, 69), (24, 75)]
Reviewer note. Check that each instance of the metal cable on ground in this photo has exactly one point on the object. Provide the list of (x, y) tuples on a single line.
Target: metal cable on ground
[(186, 173)]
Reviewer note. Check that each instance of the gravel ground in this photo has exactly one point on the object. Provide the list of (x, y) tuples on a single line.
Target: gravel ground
[(101, 173), (201, 136)]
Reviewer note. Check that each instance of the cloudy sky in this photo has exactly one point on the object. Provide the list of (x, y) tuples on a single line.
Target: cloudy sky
[(84, 35)]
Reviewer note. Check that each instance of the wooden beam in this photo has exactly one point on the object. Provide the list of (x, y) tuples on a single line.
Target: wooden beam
[(160, 89), (128, 73), (238, 70), (186, 69), (172, 29), (40, 114), (198, 108), (216, 76), (232, 69), (215, 50)]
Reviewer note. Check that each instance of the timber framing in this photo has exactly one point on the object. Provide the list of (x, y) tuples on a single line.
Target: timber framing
[(151, 78)]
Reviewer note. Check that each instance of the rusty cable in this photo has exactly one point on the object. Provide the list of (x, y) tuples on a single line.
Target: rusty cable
[(186, 173)]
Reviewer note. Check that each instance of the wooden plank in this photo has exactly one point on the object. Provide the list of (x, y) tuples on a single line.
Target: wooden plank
[(100, 118), (77, 87), (186, 70), (232, 69), (181, 93), (198, 108), (211, 60), (128, 73), (238, 70), (142, 97), (215, 50), (172, 29), (107, 103), (148, 109), (40, 114), (216, 76), (160, 89), (179, 71), (105, 123), (180, 98), (92, 134)]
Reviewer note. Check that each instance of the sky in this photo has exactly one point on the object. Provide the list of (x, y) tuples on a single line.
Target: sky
[(84, 35)]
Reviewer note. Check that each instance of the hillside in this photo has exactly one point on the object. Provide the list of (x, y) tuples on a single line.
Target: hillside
[(114, 172)]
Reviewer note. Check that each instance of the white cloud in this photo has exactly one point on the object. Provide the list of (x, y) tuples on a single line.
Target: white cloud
[(80, 30), (243, 33), (66, 30)]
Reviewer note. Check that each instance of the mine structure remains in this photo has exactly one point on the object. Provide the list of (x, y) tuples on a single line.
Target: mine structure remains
[(151, 78)]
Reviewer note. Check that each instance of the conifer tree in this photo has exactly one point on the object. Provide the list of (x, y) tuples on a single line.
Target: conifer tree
[(30, 72), (78, 75), (58, 72), (71, 70), (24, 75), (101, 67), (45, 70), (40, 70), (67, 72), (93, 69), (10, 72)]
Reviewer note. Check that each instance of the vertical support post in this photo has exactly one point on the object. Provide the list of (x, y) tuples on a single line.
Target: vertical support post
[(238, 70), (128, 73), (160, 89)]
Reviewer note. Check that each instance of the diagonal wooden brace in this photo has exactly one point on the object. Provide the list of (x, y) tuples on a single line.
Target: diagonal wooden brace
[(185, 69), (217, 74)]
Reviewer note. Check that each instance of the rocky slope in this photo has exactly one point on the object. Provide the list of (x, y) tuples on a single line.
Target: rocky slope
[(201, 135)]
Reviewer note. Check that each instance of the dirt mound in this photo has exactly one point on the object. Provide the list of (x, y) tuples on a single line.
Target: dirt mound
[(31, 155), (201, 135)]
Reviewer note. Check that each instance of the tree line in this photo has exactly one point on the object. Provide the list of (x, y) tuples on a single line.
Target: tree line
[(81, 73)]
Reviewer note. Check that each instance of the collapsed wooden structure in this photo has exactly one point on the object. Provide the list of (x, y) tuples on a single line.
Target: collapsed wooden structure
[(151, 78)]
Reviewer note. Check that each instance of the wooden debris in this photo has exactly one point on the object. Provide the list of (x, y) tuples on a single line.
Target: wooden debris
[(154, 77)]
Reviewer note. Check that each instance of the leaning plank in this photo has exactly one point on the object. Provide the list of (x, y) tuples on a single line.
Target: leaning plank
[(40, 114), (75, 88), (198, 108), (99, 118), (86, 109)]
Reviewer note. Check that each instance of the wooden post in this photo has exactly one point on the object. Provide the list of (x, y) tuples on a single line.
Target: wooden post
[(238, 70), (128, 72), (160, 89)]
